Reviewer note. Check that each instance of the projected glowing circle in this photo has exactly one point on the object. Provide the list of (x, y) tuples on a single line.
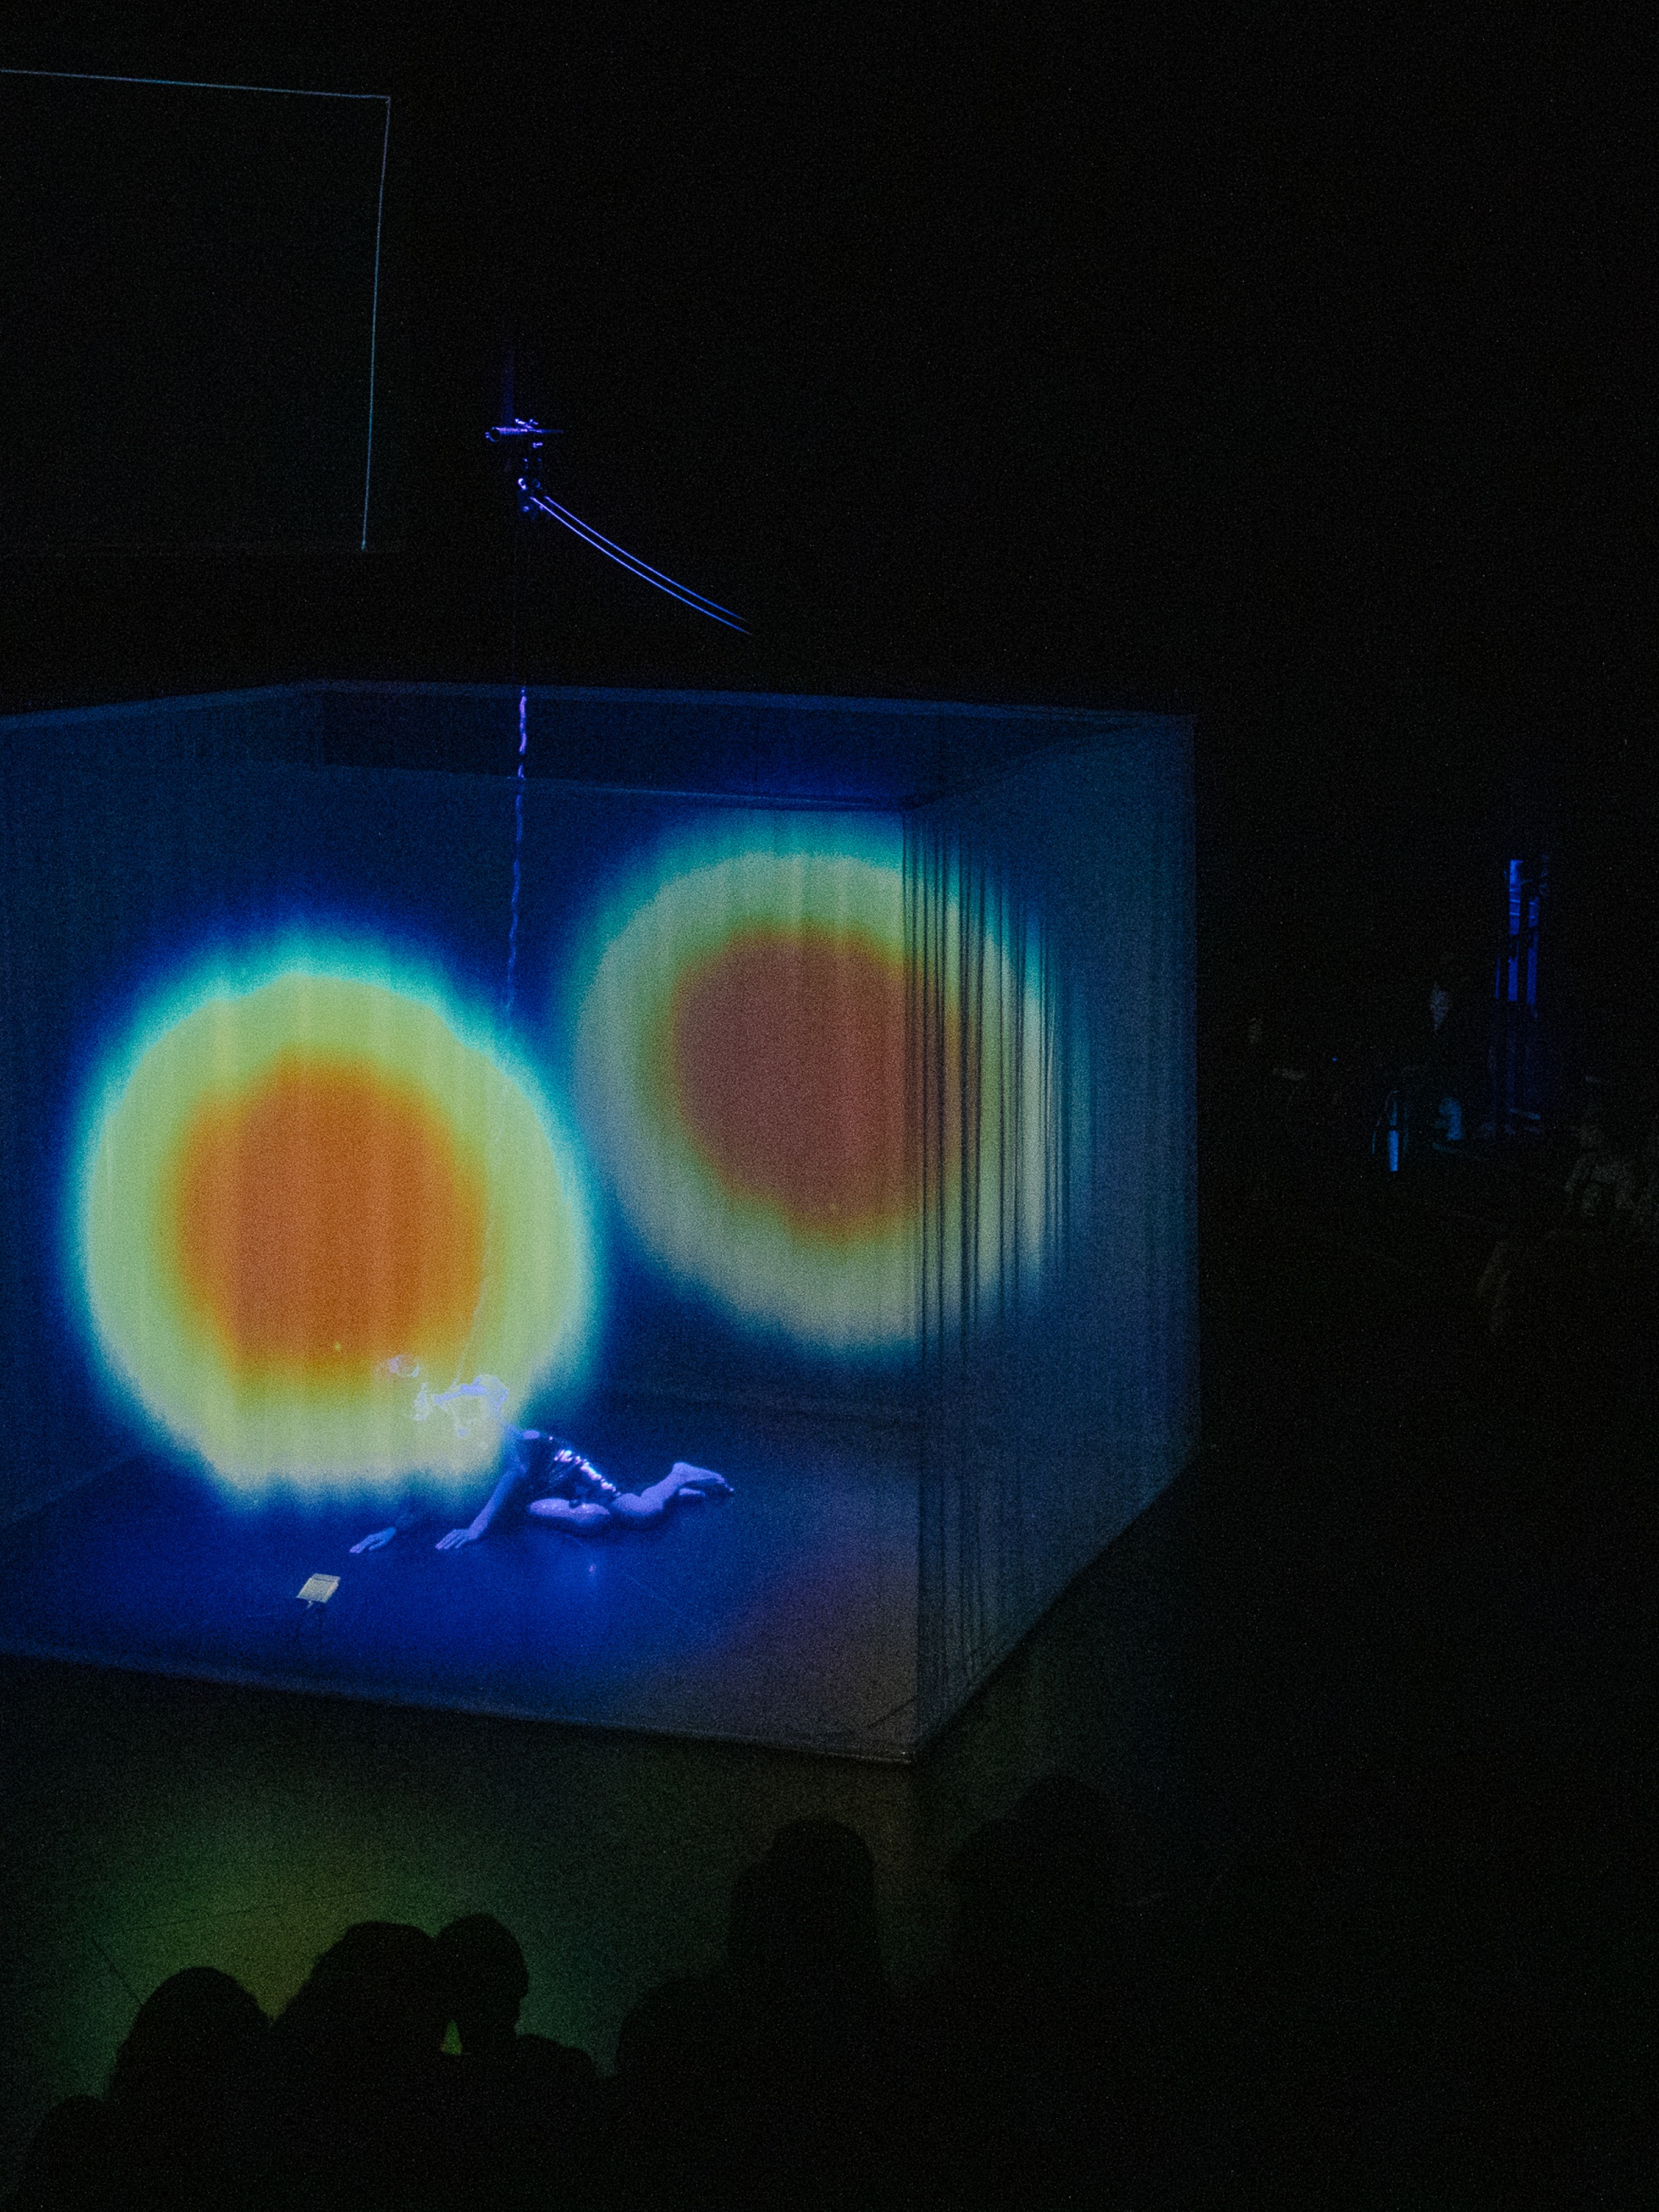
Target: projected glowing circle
[(745, 1064), (300, 1196), (785, 1059)]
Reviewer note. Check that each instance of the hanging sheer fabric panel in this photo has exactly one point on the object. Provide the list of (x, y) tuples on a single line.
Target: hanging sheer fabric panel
[(710, 1252)]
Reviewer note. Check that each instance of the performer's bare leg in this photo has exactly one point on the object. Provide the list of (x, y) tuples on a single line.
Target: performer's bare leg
[(682, 1480)]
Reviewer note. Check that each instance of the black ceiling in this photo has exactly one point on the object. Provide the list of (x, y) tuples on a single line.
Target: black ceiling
[(1289, 375)]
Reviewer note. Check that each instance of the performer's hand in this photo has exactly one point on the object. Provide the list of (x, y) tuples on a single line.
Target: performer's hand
[(374, 1543), (456, 1537)]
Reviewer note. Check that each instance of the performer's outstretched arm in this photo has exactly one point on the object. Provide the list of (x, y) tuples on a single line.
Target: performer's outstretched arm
[(409, 1511), (515, 1473), (486, 1390)]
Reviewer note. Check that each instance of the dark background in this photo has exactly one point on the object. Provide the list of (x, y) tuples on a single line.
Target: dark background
[(1288, 374), (189, 280), (1292, 372)]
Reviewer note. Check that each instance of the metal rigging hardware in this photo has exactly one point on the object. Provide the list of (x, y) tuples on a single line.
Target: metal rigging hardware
[(522, 442)]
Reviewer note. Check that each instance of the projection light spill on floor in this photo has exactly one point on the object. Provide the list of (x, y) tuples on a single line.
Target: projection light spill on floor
[(750, 1065), (304, 1205)]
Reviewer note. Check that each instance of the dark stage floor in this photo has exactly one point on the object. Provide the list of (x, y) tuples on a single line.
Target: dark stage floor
[(785, 1613), (1373, 1686)]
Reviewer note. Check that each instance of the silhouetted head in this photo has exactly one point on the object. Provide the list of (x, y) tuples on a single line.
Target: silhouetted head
[(485, 1980), (1039, 1883), (378, 1990), (198, 2032), (805, 1917)]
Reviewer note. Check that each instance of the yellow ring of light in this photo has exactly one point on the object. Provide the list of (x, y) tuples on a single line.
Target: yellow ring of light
[(536, 1299), (829, 1293)]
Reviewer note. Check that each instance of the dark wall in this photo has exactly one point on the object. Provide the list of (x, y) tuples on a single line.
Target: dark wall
[(1294, 381)]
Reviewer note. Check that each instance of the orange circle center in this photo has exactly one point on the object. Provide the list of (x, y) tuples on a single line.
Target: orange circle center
[(787, 1052), (323, 1221)]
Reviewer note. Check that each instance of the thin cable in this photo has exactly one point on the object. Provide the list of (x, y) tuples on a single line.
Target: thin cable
[(643, 569), (648, 574), (194, 84), (684, 594), (517, 845), (373, 317)]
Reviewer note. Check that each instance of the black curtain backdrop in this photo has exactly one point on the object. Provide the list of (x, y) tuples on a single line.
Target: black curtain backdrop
[(190, 277)]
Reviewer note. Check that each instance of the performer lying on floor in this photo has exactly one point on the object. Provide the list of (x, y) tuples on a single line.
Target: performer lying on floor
[(575, 1494)]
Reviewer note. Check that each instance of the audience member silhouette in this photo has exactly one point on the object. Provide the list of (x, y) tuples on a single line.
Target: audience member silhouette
[(769, 2080), (189, 2122), (1016, 2048), (183, 2120), (528, 2111), (1536, 1286), (69, 2164), (1643, 1226), (1641, 1311), (780, 2077), (1454, 1062), (366, 2103)]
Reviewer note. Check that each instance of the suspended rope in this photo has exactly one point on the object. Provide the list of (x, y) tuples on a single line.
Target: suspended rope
[(518, 852)]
